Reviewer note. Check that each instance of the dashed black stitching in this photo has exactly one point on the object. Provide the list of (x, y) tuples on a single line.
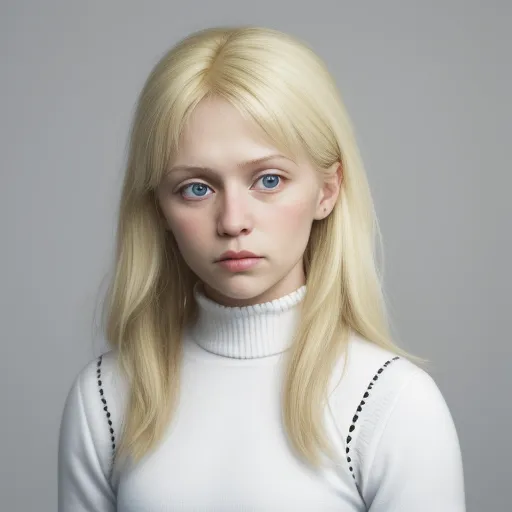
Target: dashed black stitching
[(360, 408), (105, 406)]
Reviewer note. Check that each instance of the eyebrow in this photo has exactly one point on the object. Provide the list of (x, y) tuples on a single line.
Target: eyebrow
[(240, 165)]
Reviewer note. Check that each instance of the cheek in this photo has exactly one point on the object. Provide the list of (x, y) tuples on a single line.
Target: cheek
[(294, 217), (187, 230)]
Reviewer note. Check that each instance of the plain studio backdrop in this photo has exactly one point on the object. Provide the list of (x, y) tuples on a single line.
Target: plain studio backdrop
[(427, 85)]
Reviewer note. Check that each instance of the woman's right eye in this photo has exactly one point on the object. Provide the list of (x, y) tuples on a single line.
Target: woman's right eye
[(199, 188)]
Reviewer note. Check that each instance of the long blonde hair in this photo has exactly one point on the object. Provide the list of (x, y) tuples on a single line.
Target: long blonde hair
[(278, 82)]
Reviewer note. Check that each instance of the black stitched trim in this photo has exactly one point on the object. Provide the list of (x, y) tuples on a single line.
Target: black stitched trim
[(105, 407), (360, 408)]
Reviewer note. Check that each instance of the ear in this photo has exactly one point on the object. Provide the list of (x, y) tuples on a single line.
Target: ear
[(329, 192)]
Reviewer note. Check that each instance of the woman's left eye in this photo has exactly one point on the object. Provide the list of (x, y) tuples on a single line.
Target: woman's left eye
[(273, 182), (270, 175)]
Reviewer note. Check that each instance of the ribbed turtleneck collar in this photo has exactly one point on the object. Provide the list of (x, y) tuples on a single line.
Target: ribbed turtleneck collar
[(246, 332)]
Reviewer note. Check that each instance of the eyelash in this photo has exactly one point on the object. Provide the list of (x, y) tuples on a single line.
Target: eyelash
[(183, 187)]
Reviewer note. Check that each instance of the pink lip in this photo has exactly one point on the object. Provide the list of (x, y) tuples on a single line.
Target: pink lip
[(240, 264), (231, 255)]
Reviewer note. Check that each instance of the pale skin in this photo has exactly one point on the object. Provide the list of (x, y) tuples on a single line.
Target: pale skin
[(267, 208)]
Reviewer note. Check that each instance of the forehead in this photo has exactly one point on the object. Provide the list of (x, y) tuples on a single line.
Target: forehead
[(217, 129)]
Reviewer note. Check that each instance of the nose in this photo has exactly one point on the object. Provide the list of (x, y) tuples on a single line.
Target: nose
[(233, 215)]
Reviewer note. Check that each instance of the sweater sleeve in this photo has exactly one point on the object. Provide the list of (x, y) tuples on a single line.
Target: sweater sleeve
[(82, 483), (417, 462)]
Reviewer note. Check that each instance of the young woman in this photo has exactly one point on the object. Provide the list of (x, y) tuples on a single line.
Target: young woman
[(251, 364)]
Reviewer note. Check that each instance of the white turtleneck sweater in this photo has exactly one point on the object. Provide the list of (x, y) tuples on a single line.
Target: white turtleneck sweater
[(226, 449)]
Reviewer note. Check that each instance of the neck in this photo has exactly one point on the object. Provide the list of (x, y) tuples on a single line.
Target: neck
[(255, 331)]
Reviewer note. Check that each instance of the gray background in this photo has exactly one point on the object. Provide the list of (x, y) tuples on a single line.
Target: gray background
[(428, 87)]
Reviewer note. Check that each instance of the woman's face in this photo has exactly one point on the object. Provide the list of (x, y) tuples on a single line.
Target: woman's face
[(266, 208)]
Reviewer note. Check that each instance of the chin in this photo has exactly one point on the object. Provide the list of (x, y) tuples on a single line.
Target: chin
[(237, 292)]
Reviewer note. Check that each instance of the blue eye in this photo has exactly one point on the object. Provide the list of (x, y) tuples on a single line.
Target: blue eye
[(197, 187), (271, 176), (200, 188)]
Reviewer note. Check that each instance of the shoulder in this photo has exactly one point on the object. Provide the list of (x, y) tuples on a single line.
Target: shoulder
[(384, 376), (100, 387), (403, 441), (93, 409), (382, 383), (390, 413), (367, 382), (100, 378), (366, 366)]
